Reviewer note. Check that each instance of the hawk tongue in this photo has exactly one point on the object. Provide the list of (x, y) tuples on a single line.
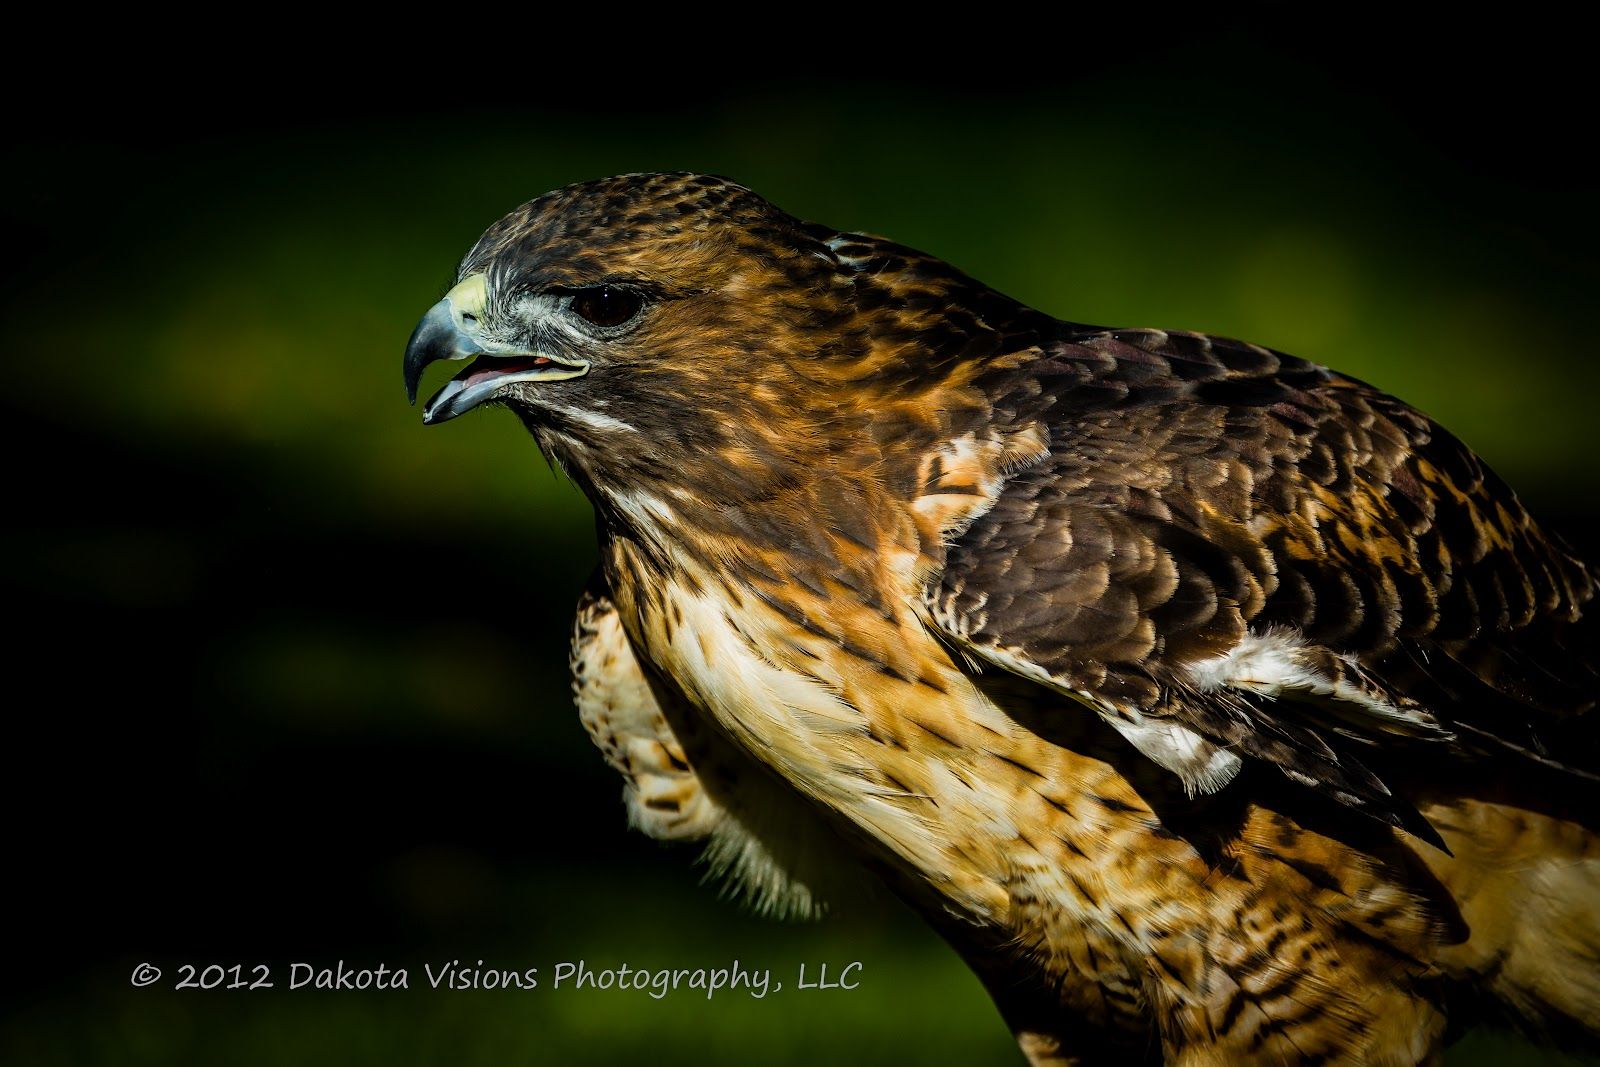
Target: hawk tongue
[(484, 367)]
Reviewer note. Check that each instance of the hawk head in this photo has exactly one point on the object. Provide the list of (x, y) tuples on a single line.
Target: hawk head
[(679, 328)]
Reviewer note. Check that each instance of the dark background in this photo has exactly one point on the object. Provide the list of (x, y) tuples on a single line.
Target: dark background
[(286, 671)]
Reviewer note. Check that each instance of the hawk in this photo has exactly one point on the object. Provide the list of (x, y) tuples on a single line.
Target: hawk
[(1213, 705)]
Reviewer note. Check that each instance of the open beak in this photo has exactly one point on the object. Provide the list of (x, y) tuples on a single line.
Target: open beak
[(449, 332)]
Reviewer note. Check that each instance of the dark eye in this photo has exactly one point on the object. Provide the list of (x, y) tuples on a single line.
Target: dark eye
[(606, 305)]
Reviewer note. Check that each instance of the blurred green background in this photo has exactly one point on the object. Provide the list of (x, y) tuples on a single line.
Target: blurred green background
[(287, 676)]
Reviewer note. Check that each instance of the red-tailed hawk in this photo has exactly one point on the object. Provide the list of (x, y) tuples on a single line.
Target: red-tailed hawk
[(1215, 706)]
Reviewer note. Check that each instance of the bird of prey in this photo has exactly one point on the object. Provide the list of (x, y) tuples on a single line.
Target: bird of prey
[(1215, 706)]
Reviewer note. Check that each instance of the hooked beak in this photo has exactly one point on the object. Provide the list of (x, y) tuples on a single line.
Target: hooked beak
[(449, 331)]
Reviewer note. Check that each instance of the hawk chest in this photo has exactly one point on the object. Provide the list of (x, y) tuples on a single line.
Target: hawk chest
[(843, 703), (783, 676)]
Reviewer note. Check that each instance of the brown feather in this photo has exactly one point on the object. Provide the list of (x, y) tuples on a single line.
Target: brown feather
[(957, 587)]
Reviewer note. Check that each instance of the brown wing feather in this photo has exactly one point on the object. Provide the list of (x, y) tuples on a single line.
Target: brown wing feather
[(1199, 491)]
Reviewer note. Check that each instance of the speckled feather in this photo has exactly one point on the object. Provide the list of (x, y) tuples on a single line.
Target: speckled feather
[(1121, 654), (1199, 490)]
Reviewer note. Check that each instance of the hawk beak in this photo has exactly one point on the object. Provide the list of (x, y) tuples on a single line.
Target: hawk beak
[(449, 332)]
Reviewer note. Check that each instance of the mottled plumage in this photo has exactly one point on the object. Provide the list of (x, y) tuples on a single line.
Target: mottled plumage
[(1212, 704)]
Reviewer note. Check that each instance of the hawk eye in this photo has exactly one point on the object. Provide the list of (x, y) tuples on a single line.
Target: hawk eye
[(606, 305)]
